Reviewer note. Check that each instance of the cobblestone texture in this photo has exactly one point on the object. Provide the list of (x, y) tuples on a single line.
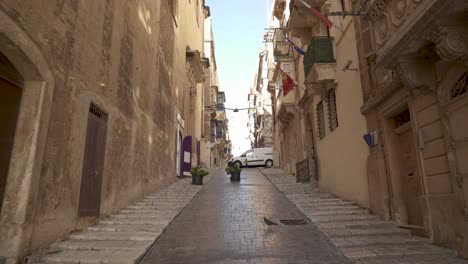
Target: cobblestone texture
[(359, 235), (224, 224), (124, 237)]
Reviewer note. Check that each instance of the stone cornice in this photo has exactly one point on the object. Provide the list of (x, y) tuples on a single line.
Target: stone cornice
[(382, 93)]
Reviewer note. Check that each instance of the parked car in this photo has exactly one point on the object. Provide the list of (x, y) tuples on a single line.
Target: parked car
[(255, 157)]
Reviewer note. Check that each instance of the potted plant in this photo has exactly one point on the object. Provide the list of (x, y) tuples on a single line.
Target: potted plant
[(234, 171), (197, 175)]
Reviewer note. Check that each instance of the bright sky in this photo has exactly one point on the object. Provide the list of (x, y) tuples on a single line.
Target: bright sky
[(238, 28)]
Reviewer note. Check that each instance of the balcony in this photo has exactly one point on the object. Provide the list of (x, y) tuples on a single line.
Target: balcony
[(220, 107), (278, 8), (320, 65), (280, 46)]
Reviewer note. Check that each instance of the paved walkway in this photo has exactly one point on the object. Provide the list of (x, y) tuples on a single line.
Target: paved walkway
[(124, 237), (224, 224), (360, 236)]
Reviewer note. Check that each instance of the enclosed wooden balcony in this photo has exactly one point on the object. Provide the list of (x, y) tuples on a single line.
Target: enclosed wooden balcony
[(319, 64)]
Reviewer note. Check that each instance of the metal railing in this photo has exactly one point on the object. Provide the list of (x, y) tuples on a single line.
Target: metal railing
[(320, 50)]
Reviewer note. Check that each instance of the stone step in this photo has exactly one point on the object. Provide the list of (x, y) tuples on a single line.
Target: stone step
[(153, 207), (322, 200), (160, 204), (343, 211), (127, 228), (99, 245), (419, 258), (384, 251), (340, 218), (165, 199), (329, 207), (147, 211), (346, 232), (373, 223), (88, 256), (317, 203), (360, 241), (126, 221), (313, 196), (155, 216), (103, 235)]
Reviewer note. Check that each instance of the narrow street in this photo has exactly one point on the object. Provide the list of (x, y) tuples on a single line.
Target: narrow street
[(224, 224)]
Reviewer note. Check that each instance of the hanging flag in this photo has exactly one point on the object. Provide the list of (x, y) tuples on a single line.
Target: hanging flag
[(297, 48), (288, 82), (324, 19)]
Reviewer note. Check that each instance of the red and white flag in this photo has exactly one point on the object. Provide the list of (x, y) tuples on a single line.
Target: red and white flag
[(323, 18), (288, 82)]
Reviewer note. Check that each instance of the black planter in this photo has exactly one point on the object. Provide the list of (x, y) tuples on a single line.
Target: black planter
[(197, 180), (235, 176)]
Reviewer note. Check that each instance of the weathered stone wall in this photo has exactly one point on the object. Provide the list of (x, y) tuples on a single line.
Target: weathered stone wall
[(120, 55)]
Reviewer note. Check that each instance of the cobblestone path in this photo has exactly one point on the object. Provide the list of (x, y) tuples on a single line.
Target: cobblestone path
[(359, 235), (224, 224)]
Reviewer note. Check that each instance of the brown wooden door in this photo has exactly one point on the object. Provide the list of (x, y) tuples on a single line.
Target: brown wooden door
[(10, 97), (412, 189), (93, 163)]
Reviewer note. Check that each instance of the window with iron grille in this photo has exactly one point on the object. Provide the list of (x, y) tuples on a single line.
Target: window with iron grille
[(320, 120), (460, 87), (332, 114)]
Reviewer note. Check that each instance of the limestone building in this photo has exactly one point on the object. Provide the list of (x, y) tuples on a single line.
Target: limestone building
[(98, 99), (319, 127), (414, 70)]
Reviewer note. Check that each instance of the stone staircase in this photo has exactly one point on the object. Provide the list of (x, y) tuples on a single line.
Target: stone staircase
[(124, 237), (362, 237)]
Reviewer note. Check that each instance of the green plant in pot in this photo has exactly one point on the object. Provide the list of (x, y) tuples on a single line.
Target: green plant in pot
[(197, 175), (234, 171)]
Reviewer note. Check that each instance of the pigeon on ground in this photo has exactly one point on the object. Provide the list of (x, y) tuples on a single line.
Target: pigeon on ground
[(268, 222)]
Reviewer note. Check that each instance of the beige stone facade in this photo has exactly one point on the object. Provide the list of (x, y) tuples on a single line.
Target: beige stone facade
[(319, 126), (413, 61), (214, 143), (120, 80)]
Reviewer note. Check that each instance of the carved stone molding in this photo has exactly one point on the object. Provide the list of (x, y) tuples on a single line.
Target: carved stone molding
[(285, 115), (404, 26), (377, 9), (319, 88), (382, 93), (381, 29), (398, 11), (452, 44), (417, 75)]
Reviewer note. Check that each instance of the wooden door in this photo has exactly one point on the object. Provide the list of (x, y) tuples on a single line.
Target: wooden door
[(186, 156), (93, 163), (411, 180), (10, 97)]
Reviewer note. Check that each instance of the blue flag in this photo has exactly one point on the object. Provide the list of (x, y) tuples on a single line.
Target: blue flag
[(303, 53)]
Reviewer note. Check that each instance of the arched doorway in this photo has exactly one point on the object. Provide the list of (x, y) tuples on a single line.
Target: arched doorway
[(11, 84), (26, 74)]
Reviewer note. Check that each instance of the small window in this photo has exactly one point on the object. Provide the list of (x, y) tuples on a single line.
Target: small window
[(332, 114), (320, 120)]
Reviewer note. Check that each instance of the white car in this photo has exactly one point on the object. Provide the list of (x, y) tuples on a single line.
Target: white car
[(255, 157)]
